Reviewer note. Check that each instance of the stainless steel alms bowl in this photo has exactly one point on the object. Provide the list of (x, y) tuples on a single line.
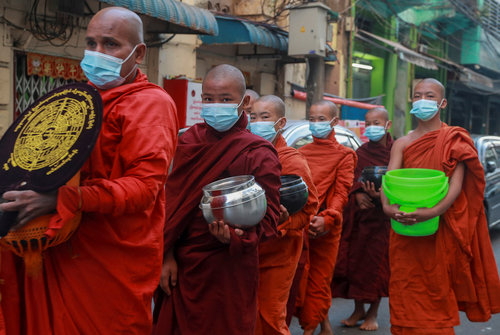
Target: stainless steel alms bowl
[(293, 193), (239, 201)]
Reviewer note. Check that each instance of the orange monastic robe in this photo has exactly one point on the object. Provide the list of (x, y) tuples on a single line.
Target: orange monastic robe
[(332, 167), (278, 257), (102, 280), (433, 277)]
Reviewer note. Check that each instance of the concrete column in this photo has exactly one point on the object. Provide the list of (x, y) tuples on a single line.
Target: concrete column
[(178, 57)]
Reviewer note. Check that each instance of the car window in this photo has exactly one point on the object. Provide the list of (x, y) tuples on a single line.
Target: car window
[(301, 141), (342, 139), (354, 144), (490, 155), (497, 152)]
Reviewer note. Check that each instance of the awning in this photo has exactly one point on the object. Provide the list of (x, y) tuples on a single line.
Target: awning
[(238, 31), (181, 18), (340, 101), (404, 53), (467, 75)]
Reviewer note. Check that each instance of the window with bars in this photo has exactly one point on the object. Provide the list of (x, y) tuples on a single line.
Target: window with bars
[(28, 88), (491, 17)]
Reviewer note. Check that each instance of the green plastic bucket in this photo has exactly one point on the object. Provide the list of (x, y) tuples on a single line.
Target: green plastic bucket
[(424, 176), (412, 189), (418, 195)]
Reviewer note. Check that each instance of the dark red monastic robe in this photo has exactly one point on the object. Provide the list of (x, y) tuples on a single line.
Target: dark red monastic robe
[(278, 257), (102, 280), (433, 277), (362, 269), (216, 291), (332, 167)]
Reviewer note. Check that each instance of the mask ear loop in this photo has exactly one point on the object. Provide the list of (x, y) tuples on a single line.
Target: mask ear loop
[(277, 131), (439, 106), (126, 59)]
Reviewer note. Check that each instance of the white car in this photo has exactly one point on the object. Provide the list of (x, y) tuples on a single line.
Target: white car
[(297, 134)]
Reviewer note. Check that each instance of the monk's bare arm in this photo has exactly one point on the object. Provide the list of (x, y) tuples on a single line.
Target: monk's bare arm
[(395, 162), (424, 214)]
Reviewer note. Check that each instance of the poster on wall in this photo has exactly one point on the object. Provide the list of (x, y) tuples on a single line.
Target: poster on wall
[(193, 104), (356, 126)]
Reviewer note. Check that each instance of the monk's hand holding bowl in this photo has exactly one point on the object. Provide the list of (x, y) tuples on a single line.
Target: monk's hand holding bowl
[(364, 200), (168, 277), (284, 215), (221, 231), (369, 188), (29, 205)]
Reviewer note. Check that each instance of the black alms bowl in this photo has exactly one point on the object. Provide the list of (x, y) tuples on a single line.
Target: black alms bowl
[(373, 174), (293, 193)]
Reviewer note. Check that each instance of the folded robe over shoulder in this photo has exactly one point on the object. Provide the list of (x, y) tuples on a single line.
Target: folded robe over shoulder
[(102, 280), (278, 257), (432, 277), (362, 269), (332, 167), (216, 291)]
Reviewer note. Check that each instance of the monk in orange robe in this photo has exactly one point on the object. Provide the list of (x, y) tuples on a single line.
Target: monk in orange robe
[(433, 277), (210, 271), (278, 257), (362, 269), (102, 280), (332, 167)]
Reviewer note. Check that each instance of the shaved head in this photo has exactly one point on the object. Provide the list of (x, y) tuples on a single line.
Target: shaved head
[(433, 82), (129, 22), (277, 104), (252, 94), (227, 73), (381, 111), (332, 108)]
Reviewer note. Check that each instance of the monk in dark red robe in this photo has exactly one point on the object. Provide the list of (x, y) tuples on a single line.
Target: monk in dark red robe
[(102, 280), (433, 277), (362, 269), (332, 167), (210, 271), (278, 257)]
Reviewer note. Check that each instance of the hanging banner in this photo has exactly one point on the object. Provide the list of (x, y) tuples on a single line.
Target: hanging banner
[(55, 67)]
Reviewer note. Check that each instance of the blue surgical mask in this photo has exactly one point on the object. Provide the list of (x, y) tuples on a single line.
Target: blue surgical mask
[(374, 133), (320, 129), (249, 120), (425, 109), (264, 129), (104, 70), (221, 117)]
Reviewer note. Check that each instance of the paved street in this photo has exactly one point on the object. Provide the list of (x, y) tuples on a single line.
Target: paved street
[(342, 309)]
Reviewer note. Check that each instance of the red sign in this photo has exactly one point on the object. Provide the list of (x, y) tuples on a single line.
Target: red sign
[(55, 67)]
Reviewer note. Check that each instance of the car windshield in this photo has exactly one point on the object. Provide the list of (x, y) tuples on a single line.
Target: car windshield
[(342, 139)]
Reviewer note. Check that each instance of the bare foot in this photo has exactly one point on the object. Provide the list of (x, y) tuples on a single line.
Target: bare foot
[(309, 332), (355, 317), (326, 328), (369, 324)]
